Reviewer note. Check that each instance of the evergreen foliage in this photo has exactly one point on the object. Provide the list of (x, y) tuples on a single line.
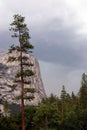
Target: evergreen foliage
[(83, 92), (21, 32), (48, 115)]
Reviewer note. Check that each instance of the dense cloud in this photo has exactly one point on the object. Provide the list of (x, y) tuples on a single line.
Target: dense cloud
[(58, 30), (60, 46), (55, 44)]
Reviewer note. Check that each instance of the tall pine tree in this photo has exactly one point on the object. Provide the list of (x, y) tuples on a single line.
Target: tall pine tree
[(83, 92), (24, 47)]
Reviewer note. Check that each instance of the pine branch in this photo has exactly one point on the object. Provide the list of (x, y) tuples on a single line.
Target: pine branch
[(13, 87), (25, 73), (13, 48), (29, 97), (24, 58), (11, 59), (25, 97), (19, 81), (27, 45), (27, 64), (31, 90)]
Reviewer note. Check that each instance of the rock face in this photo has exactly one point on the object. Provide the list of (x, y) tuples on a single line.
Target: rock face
[(7, 75)]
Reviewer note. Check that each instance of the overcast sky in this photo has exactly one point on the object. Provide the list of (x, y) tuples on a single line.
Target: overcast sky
[(58, 30)]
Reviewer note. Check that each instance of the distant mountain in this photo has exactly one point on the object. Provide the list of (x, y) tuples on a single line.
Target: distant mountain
[(7, 76)]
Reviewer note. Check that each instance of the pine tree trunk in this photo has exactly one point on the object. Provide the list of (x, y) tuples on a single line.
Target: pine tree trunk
[(22, 89), (46, 123), (22, 103)]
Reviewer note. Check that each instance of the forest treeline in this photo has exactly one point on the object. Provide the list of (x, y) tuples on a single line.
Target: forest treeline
[(67, 112)]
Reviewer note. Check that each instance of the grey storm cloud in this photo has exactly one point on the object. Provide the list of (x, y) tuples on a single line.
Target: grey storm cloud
[(63, 46), (58, 31), (54, 43)]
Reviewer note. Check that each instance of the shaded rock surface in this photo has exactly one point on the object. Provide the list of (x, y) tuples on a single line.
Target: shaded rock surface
[(7, 76)]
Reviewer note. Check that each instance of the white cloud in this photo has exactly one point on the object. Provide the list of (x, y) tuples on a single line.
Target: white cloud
[(79, 10), (40, 12)]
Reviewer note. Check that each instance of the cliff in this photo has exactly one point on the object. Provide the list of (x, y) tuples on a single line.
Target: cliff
[(7, 76)]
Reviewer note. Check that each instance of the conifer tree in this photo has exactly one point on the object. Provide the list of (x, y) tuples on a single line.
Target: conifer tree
[(24, 47), (6, 108), (83, 92), (63, 99)]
